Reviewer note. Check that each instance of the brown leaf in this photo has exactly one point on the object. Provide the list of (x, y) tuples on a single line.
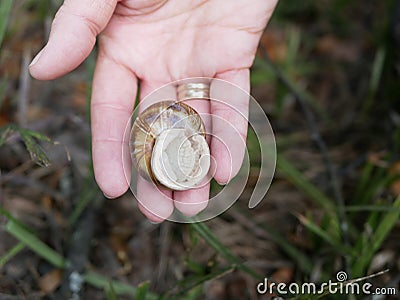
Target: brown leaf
[(50, 281), (274, 43), (339, 49), (284, 274)]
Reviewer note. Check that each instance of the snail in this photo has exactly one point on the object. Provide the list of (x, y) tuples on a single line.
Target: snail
[(168, 145)]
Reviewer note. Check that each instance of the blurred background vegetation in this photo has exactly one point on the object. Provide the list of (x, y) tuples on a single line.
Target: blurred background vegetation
[(326, 74)]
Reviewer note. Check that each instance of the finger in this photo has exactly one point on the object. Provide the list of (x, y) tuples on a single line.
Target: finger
[(150, 93), (113, 97), (229, 122), (73, 35), (155, 203), (191, 202)]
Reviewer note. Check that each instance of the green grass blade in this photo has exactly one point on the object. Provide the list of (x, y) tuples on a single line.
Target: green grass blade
[(190, 283), (372, 208), (326, 236), (35, 244), (37, 135), (90, 192), (377, 69), (303, 261), (5, 9), (194, 266), (292, 86), (213, 241), (293, 45), (8, 215), (29, 240), (142, 290), (315, 194), (35, 150), (5, 131), (224, 251), (376, 75), (111, 293), (364, 180), (385, 226), (120, 288), (11, 253), (102, 282), (30, 139), (194, 294), (376, 182)]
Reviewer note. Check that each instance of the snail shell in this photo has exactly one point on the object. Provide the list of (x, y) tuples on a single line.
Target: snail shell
[(168, 145)]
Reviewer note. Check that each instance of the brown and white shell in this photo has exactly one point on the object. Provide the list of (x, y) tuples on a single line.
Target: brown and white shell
[(168, 145)]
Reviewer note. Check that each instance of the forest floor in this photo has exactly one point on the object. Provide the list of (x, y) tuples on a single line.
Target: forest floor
[(327, 76)]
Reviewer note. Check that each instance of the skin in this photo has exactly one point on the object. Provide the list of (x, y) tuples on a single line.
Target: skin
[(157, 42)]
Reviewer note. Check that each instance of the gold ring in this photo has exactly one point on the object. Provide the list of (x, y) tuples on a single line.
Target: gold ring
[(193, 90)]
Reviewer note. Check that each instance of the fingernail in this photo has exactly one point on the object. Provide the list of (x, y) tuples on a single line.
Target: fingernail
[(154, 223), (35, 60), (220, 182), (108, 197)]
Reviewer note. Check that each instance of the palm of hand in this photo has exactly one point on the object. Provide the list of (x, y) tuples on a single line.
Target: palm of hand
[(199, 38), (156, 42)]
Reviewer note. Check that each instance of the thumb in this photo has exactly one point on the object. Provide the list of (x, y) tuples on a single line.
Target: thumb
[(72, 37)]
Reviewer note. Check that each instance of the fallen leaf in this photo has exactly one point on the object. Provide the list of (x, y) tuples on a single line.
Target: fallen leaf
[(339, 49), (284, 274), (274, 42), (50, 281)]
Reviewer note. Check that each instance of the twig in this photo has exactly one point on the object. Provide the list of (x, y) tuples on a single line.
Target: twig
[(78, 254), (36, 295), (368, 276), (33, 184), (165, 245), (249, 224), (24, 87), (317, 139), (79, 244)]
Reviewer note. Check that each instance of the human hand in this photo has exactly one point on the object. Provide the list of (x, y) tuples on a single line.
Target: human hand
[(157, 42)]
